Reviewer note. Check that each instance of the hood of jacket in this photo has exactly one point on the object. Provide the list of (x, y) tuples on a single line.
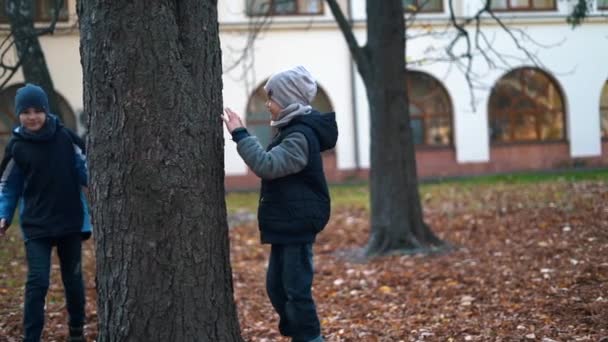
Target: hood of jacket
[(324, 126)]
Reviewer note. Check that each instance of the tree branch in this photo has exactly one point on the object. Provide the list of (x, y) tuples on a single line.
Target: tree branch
[(356, 51), (462, 32), (485, 47)]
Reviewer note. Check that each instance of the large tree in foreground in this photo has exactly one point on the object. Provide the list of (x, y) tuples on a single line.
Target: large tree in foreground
[(153, 89), (397, 223)]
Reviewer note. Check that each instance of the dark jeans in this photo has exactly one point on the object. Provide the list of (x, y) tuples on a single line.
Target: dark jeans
[(288, 283), (38, 252)]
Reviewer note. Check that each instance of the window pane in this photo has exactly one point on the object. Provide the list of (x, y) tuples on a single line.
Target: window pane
[(524, 128), (499, 129), (519, 3), (543, 4), (532, 82), (424, 5), (309, 6), (431, 5), (553, 98), (550, 128), (604, 111), (439, 106), (603, 4), (430, 102), (43, 11), (46, 10), (422, 86), (285, 6), (604, 99), (498, 4), (438, 131), (258, 6), (526, 105), (417, 130), (409, 5), (415, 111)]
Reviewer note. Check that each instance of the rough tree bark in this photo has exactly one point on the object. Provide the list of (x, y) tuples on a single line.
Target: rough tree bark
[(397, 223), (21, 18), (152, 86)]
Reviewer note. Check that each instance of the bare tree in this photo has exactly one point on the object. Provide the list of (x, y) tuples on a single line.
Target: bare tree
[(397, 222), (30, 57), (152, 86)]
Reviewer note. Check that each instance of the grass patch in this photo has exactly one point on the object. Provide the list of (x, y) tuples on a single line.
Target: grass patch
[(528, 177), (242, 201), (345, 195)]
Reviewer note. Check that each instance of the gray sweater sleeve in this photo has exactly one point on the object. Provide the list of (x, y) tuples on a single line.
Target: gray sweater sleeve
[(290, 156)]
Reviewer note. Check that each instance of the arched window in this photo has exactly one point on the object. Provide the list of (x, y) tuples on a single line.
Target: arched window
[(526, 106), (604, 111), (258, 117), (8, 117), (430, 110)]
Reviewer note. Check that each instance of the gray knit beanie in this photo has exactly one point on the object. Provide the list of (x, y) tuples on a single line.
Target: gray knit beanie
[(291, 86)]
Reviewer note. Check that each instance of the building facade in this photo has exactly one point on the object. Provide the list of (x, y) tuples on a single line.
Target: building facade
[(540, 102)]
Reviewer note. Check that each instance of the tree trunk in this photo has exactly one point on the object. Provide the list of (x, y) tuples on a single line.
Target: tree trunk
[(21, 17), (152, 87), (397, 223)]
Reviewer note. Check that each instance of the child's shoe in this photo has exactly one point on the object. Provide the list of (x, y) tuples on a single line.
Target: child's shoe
[(76, 334)]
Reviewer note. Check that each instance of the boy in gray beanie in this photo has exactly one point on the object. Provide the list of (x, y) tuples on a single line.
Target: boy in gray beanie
[(293, 90), (294, 198)]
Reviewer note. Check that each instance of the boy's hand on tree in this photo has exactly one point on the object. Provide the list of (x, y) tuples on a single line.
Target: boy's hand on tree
[(231, 119)]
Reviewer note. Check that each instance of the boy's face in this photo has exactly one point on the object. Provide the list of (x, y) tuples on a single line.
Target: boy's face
[(32, 119), (272, 106)]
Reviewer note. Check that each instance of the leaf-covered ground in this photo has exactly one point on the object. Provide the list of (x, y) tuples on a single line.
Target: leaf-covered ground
[(531, 264)]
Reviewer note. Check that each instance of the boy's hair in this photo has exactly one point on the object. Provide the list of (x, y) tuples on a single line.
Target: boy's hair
[(295, 85), (31, 96)]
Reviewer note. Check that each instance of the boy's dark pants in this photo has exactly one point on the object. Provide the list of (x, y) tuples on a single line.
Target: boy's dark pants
[(38, 253), (288, 283)]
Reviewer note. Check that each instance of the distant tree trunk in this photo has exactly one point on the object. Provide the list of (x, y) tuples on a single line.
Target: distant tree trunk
[(153, 89), (397, 223), (396, 213), (21, 17)]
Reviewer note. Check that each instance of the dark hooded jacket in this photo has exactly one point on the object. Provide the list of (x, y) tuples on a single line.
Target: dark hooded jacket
[(45, 170), (294, 208)]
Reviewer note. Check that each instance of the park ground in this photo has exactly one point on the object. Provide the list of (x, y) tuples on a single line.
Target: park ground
[(530, 264)]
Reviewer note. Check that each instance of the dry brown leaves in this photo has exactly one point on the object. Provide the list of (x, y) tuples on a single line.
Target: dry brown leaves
[(531, 265)]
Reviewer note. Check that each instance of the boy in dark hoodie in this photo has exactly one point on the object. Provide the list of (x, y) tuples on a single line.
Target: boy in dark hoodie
[(44, 169), (294, 199)]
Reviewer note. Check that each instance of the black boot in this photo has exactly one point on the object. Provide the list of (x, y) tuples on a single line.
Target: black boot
[(76, 334)]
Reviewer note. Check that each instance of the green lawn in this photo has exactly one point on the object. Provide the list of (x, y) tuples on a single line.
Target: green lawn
[(345, 195)]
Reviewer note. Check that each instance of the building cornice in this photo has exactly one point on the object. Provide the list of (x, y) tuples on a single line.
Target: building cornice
[(421, 21)]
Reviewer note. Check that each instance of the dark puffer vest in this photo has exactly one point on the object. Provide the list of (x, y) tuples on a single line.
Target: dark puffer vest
[(294, 208)]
